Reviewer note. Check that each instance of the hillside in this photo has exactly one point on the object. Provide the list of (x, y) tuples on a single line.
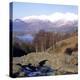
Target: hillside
[(33, 25), (57, 58), (62, 45)]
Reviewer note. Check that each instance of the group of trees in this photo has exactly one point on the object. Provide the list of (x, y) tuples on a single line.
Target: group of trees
[(43, 40)]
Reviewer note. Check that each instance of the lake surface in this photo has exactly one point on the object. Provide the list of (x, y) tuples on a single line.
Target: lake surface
[(27, 37)]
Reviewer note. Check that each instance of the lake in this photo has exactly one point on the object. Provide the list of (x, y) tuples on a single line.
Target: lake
[(27, 37)]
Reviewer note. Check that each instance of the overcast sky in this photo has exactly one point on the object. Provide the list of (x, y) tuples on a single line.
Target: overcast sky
[(21, 9)]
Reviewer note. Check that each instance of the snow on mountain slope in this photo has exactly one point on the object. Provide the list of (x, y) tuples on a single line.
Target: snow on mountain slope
[(54, 22)]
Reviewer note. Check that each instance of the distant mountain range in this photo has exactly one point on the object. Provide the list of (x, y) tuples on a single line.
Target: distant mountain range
[(34, 25)]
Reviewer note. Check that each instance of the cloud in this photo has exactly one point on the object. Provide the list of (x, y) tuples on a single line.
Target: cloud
[(54, 17)]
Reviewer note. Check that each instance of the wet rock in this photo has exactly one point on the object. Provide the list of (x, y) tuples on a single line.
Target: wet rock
[(40, 71)]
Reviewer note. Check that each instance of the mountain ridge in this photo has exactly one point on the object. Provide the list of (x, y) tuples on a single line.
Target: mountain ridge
[(36, 24)]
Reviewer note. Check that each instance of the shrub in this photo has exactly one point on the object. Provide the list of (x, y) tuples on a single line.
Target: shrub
[(69, 51)]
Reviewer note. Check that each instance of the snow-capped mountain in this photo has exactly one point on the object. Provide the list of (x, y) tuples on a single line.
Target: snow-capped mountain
[(61, 22)]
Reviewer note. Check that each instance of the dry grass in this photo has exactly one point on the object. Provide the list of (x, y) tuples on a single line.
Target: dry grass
[(56, 58), (62, 45)]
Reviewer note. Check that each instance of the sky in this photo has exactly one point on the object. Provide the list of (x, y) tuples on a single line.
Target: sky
[(23, 9)]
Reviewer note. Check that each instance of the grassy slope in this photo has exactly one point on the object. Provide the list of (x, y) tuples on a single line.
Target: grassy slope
[(55, 60), (62, 45)]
